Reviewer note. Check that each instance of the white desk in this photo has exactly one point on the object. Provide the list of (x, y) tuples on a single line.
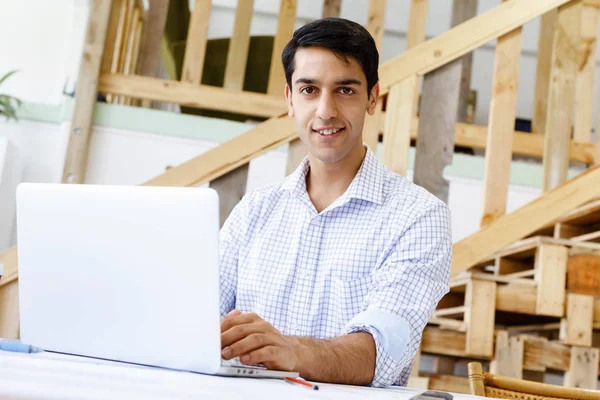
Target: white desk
[(40, 377)]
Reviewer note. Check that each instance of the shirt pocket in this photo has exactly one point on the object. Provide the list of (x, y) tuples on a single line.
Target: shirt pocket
[(348, 296)]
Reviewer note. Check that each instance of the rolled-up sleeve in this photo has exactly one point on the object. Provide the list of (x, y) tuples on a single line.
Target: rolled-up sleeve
[(405, 290)]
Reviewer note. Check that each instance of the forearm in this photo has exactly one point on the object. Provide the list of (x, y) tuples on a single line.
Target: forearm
[(348, 359)]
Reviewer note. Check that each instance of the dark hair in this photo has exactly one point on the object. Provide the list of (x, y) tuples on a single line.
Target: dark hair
[(343, 37)]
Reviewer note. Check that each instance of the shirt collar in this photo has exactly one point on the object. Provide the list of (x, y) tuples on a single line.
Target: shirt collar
[(366, 185)]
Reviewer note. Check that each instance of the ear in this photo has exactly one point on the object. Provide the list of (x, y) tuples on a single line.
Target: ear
[(288, 98), (373, 96)]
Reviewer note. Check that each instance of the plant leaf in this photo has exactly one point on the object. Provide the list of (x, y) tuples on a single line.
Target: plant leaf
[(7, 75)]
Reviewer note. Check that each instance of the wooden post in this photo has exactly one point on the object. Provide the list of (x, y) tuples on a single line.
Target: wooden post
[(86, 92), (375, 26), (480, 300), (583, 368), (508, 358), (331, 8), (285, 30), (577, 326), (154, 27), (586, 64), (542, 77), (438, 116), (561, 95), (551, 271), (195, 45), (237, 56), (501, 125), (402, 100), (476, 379), (134, 50)]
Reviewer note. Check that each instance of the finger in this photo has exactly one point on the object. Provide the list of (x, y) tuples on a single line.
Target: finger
[(233, 312), (264, 354), (246, 345), (239, 332), (231, 321)]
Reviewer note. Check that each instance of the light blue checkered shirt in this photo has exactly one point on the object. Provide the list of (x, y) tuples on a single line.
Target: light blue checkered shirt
[(376, 260)]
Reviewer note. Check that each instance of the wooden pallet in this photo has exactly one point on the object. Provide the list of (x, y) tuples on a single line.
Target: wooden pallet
[(580, 225)]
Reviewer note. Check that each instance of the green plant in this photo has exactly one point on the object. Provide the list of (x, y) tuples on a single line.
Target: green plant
[(8, 104)]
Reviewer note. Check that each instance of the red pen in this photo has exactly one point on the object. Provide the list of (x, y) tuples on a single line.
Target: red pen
[(295, 381)]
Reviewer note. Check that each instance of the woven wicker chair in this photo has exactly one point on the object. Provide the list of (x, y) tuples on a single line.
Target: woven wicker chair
[(500, 387)]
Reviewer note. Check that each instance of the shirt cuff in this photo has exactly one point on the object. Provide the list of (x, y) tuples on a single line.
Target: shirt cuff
[(391, 334)]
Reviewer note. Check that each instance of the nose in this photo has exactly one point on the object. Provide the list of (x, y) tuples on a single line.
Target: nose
[(326, 108)]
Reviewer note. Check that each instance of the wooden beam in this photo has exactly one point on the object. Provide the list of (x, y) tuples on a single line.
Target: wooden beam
[(192, 95), (8, 260), (503, 109), (461, 39), (508, 357), (586, 73), (331, 8), (131, 66), (561, 95), (195, 45), (230, 155), (440, 341), (551, 276), (542, 77), (448, 383), (237, 56), (538, 213), (113, 32), (154, 28), (480, 299), (583, 368), (86, 92), (285, 30), (576, 328), (583, 274)]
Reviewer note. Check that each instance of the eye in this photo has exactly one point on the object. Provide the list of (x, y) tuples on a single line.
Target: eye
[(346, 90), (308, 90)]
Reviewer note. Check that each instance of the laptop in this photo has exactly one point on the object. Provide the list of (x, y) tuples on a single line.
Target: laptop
[(124, 273)]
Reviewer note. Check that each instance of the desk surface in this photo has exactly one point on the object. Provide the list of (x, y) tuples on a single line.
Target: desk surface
[(57, 377)]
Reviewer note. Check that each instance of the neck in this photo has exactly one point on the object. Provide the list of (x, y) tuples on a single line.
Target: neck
[(325, 182)]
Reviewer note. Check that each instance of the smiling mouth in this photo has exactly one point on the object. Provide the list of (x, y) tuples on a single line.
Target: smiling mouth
[(328, 132)]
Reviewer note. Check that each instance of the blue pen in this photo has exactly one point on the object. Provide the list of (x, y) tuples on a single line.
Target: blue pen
[(17, 347)]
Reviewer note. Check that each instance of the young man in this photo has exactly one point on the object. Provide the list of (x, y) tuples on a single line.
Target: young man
[(335, 271)]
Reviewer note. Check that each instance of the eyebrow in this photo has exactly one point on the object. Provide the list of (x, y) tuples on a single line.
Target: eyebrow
[(343, 82)]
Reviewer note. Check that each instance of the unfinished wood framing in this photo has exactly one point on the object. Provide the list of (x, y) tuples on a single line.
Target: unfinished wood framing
[(561, 95), (480, 299), (586, 72), (285, 29), (503, 108), (576, 328), (237, 56), (195, 45), (583, 368), (85, 96), (551, 275), (542, 76)]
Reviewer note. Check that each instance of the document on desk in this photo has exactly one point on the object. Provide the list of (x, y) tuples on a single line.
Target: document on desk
[(57, 376)]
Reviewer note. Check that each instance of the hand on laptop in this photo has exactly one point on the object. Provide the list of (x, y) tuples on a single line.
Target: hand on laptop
[(256, 341)]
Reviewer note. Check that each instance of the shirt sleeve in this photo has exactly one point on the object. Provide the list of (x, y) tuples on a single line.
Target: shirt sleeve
[(405, 291), (230, 241)]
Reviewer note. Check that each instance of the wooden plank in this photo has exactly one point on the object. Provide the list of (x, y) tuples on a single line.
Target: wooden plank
[(576, 328), (447, 383), (480, 300), (561, 95), (230, 155), (463, 10), (461, 39), (538, 213), (516, 298), (435, 146), (566, 231), (112, 35), (508, 266), (591, 236), (542, 77), (130, 69), (231, 188), (443, 365), (417, 22), (551, 267), (441, 312), (376, 21), (509, 355), (195, 46), (86, 92), (8, 260), (128, 25), (583, 368), (199, 96), (285, 29), (583, 274), (540, 354), (237, 56), (449, 323), (440, 341), (331, 8), (586, 72), (503, 108), (9, 310), (118, 45), (400, 111)]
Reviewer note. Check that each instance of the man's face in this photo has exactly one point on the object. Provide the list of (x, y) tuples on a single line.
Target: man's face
[(329, 99)]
